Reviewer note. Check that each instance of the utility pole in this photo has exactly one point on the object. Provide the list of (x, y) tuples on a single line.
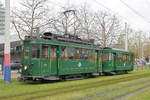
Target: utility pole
[(7, 70), (103, 34), (126, 37)]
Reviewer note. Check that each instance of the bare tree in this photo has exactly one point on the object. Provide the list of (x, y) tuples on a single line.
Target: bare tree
[(30, 14), (122, 37), (137, 40), (107, 28), (86, 20)]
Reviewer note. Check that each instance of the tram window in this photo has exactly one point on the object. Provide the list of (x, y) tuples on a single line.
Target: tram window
[(105, 56), (53, 52), (45, 52), (91, 54), (122, 57), (64, 53), (81, 54), (100, 57), (70, 52), (26, 55), (128, 58), (86, 53), (119, 57), (77, 53), (95, 54), (35, 51), (111, 57)]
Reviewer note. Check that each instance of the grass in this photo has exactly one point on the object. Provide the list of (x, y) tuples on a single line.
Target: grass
[(144, 95), (95, 93)]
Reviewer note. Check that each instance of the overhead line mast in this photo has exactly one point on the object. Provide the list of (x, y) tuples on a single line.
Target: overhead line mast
[(7, 70)]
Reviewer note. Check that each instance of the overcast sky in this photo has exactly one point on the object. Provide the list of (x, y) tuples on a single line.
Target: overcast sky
[(142, 7)]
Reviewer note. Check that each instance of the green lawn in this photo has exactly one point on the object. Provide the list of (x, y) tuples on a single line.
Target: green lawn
[(144, 95), (56, 91)]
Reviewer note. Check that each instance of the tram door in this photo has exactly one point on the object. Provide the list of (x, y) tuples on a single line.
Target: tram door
[(53, 61), (99, 61), (108, 61), (49, 62), (45, 60), (35, 59)]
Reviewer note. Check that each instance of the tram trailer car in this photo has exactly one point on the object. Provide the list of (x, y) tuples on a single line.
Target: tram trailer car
[(48, 59), (117, 61)]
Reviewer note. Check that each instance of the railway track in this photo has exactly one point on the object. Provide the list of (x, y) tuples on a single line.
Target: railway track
[(90, 97), (51, 92), (131, 93)]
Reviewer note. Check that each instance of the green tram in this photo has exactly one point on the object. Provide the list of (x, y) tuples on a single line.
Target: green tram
[(52, 59)]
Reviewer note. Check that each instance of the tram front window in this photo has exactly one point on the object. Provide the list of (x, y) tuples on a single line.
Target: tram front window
[(35, 51)]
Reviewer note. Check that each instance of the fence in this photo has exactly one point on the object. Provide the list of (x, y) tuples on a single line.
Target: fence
[(142, 67)]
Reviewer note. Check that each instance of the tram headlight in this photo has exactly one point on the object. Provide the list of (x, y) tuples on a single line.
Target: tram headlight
[(25, 67)]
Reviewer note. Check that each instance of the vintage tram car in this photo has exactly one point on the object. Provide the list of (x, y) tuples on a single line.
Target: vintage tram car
[(55, 57)]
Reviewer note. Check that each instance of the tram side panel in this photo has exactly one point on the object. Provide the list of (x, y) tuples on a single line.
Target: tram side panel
[(77, 60), (124, 62)]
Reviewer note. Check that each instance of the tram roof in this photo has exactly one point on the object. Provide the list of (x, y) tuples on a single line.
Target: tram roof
[(56, 42)]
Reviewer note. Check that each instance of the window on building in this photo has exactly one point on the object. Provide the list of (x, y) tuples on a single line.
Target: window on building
[(18, 49), (26, 52), (35, 51)]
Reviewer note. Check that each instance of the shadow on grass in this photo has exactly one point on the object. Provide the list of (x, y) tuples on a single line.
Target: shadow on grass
[(37, 82)]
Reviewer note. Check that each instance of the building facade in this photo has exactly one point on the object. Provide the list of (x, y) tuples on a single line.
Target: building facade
[(2, 19)]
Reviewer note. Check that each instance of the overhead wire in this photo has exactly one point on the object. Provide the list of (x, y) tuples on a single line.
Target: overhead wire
[(147, 2), (133, 10), (110, 9), (57, 4)]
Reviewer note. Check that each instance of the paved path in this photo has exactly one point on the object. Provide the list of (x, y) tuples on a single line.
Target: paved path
[(14, 74)]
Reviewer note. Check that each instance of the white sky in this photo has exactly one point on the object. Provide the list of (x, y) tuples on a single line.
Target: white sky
[(141, 6)]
